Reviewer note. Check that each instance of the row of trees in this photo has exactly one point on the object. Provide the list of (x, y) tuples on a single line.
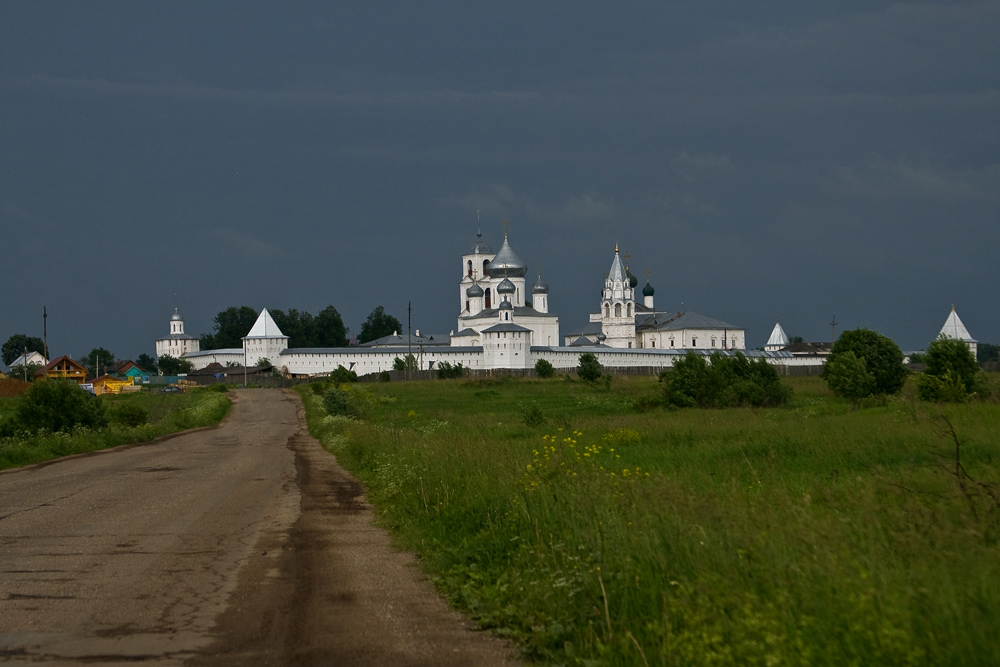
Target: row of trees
[(325, 329)]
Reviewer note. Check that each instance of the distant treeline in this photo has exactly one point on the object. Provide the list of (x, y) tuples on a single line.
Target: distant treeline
[(302, 328)]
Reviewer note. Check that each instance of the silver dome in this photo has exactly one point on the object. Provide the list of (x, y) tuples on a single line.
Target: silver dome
[(506, 287), (480, 247), (539, 287), (474, 291), (506, 264), (506, 305)]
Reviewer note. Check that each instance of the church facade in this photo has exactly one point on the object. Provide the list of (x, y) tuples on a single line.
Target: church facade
[(505, 323)]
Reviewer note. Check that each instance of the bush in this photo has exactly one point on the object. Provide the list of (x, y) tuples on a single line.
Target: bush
[(335, 401), (343, 375), (590, 369), (848, 377), (129, 414), (544, 369), (446, 370), (58, 405), (881, 356), (400, 365), (723, 383), (952, 373), (531, 414)]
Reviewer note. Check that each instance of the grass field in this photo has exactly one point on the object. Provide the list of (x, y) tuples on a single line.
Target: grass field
[(168, 413), (595, 528)]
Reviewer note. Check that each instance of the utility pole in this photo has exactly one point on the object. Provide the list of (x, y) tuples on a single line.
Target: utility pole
[(409, 338), (24, 364), (45, 332), (833, 330)]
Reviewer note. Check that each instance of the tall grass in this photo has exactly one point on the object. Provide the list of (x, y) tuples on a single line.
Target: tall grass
[(168, 413), (611, 535)]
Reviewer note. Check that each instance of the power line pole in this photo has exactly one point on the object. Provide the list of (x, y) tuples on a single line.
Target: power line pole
[(409, 337), (833, 330)]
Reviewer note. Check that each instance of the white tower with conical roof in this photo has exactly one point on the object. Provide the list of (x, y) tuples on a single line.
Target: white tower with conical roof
[(618, 306), (265, 340), (778, 339), (954, 328)]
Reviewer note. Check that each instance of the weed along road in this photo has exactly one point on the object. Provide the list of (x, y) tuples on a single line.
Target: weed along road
[(241, 544)]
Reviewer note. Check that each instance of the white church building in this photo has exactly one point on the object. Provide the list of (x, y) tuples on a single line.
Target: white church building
[(503, 323)]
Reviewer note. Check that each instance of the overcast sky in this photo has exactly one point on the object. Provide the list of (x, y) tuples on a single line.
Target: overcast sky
[(761, 160)]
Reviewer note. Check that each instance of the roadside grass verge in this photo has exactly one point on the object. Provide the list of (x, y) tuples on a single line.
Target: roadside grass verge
[(167, 413), (595, 528)]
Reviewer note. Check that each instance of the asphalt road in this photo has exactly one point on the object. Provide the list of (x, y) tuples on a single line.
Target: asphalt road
[(241, 544)]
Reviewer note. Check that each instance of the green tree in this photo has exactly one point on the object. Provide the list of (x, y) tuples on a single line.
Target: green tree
[(725, 382), (58, 405), (378, 324), (590, 369), (330, 329), (881, 356), (146, 363), (952, 372), (988, 352), (230, 326), (544, 369), (98, 359), (299, 326), (15, 345), (848, 377), (400, 365), (173, 366)]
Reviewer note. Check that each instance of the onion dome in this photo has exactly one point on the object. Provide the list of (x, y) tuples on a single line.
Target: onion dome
[(506, 264), (506, 287), (632, 280), (176, 316), (474, 291), (648, 289), (480, 247), (539, 287), (506, 305)]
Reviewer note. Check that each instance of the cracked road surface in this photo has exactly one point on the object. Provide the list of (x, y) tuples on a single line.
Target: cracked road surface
[(239, 544)]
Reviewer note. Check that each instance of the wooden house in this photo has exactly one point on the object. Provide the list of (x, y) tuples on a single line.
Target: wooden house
[(63, 368)]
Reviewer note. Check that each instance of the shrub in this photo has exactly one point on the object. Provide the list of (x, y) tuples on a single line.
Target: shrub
[(848, 376), (400, 365), (881, 356), (590, 369), (544, 369), (445, 370), (531, 414), (129, 414), (343, 375), (335, 401), (58, 405), (952, 373), (725, 382)]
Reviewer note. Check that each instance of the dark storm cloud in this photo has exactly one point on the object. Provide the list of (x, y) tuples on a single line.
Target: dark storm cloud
[(761, 161)]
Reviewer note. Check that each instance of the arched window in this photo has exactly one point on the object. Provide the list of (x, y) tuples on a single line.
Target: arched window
[(488, 300), (618, 310), (485, 262), (607, 310), (470, 268), (694, 342), (629, 310)]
